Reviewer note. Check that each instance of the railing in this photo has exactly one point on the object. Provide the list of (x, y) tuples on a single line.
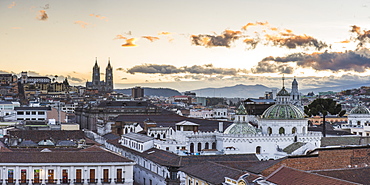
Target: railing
[(119, 180), (65, 181), (352, 126), (78, 181), (36, 181), (23, 181), (106, 180), (92, 180)]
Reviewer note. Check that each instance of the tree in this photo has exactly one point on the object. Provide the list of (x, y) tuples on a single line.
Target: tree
[(323, 107)]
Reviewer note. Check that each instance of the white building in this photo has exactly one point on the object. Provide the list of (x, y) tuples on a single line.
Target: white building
[(7, 110), (32, 113), (91, 165), (358, 121)]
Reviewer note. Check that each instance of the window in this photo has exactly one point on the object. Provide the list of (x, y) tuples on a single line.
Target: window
[(258, 150), (269, 131), (41, 113), (36, 176), (78, 175), (119, 175), (65, 176), (50, 176), (105, 175), (92, 175), (20, 113), (281, 130), (33, 112), (199, 147), (28, 112), (10, 176), (206, 146), (294, 130), (23, 176)]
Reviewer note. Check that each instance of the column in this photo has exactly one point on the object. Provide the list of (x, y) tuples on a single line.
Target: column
[(85, 174), (58, 174), (112, 175), (3, 175), (99, 174), (72, 174), (17, 173), (29, 175), (43, 175)]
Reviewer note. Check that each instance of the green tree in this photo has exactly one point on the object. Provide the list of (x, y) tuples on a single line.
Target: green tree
[(323, 107)]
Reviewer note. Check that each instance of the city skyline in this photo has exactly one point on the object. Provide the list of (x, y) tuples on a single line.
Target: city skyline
[(189, 45)]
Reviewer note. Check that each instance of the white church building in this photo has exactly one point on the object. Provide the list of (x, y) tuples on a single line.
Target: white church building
[(279, 126)]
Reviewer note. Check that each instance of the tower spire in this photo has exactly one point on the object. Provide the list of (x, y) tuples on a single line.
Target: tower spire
[(283, 81)]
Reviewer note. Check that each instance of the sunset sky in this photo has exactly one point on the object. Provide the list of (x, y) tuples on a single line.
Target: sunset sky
[(189, 44)]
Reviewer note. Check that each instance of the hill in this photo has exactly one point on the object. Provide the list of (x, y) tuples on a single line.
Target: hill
[(240, 91)]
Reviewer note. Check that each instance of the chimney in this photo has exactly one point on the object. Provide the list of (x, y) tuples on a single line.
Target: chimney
[(220, 127)]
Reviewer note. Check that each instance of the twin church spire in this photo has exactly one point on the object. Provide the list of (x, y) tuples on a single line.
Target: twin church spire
[(101, 86)]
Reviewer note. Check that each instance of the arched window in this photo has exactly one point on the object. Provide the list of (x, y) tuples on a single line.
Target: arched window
[(269, 131), (199, 147), (126, 130), (158, 136), (164, 136), (206, 146), (281, 130), (213, 145), (358, 122), (258, 150), (191, 147), (294, 130), (131, 129), (152, 135)]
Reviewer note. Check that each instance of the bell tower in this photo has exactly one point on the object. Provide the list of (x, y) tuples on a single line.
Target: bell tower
[(96, 74), (109, 77)]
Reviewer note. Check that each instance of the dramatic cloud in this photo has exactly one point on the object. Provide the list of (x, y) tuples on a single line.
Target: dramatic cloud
[(252, 42), (170, 69), (129, 43), (363, 36), (334, 61), (152, 39), (245, 27), (99, 17), (120, 37), (82, 23), (11, 5), (42, 16), (291, 41), (224, 40), (271, 67)]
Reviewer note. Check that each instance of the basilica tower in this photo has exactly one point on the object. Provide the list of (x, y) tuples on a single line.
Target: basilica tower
[(96, 74), (109, 77)]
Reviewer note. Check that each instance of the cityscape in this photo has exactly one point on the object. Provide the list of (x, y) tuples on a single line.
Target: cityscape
[(184, 92)]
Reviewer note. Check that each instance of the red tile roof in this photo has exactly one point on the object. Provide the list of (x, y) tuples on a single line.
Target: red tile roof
[(289, 176)]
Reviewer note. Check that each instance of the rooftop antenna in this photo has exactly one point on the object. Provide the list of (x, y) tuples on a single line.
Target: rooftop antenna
[(283, 80)]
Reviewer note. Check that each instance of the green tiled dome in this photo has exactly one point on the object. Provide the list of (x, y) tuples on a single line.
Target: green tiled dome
[(241, 129), (360, 109), (283, 111)]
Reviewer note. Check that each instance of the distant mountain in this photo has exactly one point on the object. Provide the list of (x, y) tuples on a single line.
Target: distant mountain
[(338, 88), (166, 92), (240, 91)]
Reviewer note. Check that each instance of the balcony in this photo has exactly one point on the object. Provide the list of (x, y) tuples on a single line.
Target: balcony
[(78, 181), (106, 181), (119, 180)]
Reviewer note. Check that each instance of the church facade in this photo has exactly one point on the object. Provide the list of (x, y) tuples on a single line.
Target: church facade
[(102, 86)]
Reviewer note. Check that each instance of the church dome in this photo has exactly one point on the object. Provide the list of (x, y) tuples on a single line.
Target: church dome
[(360, 109), (283, 111), (241, 129)]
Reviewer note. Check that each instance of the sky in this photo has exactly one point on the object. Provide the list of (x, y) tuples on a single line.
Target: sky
[(191, 44)]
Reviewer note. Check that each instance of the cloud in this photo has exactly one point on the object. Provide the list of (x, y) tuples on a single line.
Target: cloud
[(45, 7), (291, 41), (271, 67), (363, 36), (357, 61), (152, 39), (170, 69), (120, 69), (99, 17), (123, 78), (164, 33), (82, 23), (225, 39), (130, 43), (245, 27), (11, 5), (42, 16), (120, 37), (75, 79), (252, 42)]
